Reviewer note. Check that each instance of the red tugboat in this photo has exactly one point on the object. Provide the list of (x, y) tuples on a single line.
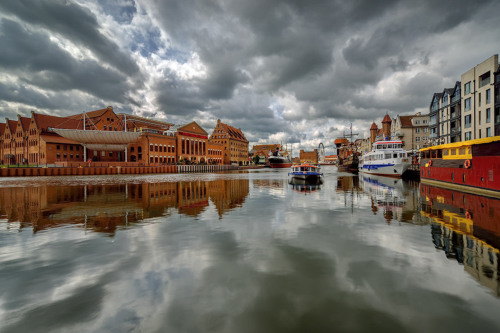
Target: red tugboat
[(469, 166)]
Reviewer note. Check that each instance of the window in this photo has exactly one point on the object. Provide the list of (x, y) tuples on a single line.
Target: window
[(467, 104), (488, 115), (468, 135), (467, 88), (417, 130), (479, 118), (445, 99), (479, 100), (467, 121), (417, 139), (488, 132), (488, 96), (484, 79)]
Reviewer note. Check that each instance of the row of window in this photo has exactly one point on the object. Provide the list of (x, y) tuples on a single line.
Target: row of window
[(158, 148), (488, 133), (71, 147)]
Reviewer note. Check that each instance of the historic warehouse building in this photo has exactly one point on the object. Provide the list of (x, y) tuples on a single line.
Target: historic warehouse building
[(104, 136)]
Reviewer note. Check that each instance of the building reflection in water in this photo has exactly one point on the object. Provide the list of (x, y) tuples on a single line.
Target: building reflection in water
[(395, 198), (467, 228), (104, 208)]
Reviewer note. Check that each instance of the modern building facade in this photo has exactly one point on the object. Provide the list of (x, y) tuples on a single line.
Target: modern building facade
[(478, 105), (497, 101), (468, 110)]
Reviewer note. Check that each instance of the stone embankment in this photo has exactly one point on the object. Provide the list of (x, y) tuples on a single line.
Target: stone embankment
[(111, 169)]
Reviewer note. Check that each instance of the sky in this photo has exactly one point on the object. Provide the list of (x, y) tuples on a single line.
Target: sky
[(297, 72)]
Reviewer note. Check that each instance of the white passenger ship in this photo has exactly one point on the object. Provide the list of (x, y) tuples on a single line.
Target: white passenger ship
[(387, 158)]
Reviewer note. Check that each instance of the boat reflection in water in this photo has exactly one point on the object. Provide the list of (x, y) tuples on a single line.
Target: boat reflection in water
[(467, 228), (305, 186), (104, 208), (396, 198)]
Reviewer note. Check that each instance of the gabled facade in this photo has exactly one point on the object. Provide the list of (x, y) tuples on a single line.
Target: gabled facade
[(46, 147), (9, 151), (101, 120), (434, 115), (192, 141), (455, 117), (234, 142)]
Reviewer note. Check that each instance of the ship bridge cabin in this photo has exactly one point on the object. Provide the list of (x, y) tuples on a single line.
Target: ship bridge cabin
[(388, 145)]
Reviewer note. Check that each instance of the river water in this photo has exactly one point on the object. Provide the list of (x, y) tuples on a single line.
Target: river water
[(245, 252)]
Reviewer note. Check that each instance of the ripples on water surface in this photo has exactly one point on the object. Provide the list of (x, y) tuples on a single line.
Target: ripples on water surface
[(245, 252)]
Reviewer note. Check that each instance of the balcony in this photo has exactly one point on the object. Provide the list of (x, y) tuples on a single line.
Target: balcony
[(484, 81), (399, 134), (455, 130), (433, 136)]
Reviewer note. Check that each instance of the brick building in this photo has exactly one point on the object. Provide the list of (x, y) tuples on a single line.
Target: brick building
[(192, 141), (309, 156), (234, 143), (103, 136)]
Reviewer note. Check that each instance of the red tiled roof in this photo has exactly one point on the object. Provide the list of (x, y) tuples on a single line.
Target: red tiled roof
[(91, 114), (374, 127), (49, 138), (12, 125), (386, 119), (25, 123), (44, 121), (406, 121), (234, 133)]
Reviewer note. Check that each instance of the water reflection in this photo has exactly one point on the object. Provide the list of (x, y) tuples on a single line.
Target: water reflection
[(467, 228), (104, 208), (395, 198)]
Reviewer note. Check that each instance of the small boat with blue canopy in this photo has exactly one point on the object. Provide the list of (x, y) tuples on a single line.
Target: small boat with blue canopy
[(306, 172)]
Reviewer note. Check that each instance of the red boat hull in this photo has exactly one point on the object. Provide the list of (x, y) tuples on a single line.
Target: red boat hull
[(280, 165), (480, 174)]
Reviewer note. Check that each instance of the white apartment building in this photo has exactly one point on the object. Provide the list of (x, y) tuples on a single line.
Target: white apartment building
[(478, 105)]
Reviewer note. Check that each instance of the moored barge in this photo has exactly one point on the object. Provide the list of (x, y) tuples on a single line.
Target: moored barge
[(469, 166)]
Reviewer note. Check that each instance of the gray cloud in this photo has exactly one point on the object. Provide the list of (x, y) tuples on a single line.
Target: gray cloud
[(39, 62), (325, 62), (76, 23)]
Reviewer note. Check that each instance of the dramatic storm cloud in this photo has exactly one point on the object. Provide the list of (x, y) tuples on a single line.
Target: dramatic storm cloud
[(291, 71)]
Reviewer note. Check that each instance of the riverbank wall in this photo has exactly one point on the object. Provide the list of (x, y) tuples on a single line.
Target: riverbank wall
[(85, 170)]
